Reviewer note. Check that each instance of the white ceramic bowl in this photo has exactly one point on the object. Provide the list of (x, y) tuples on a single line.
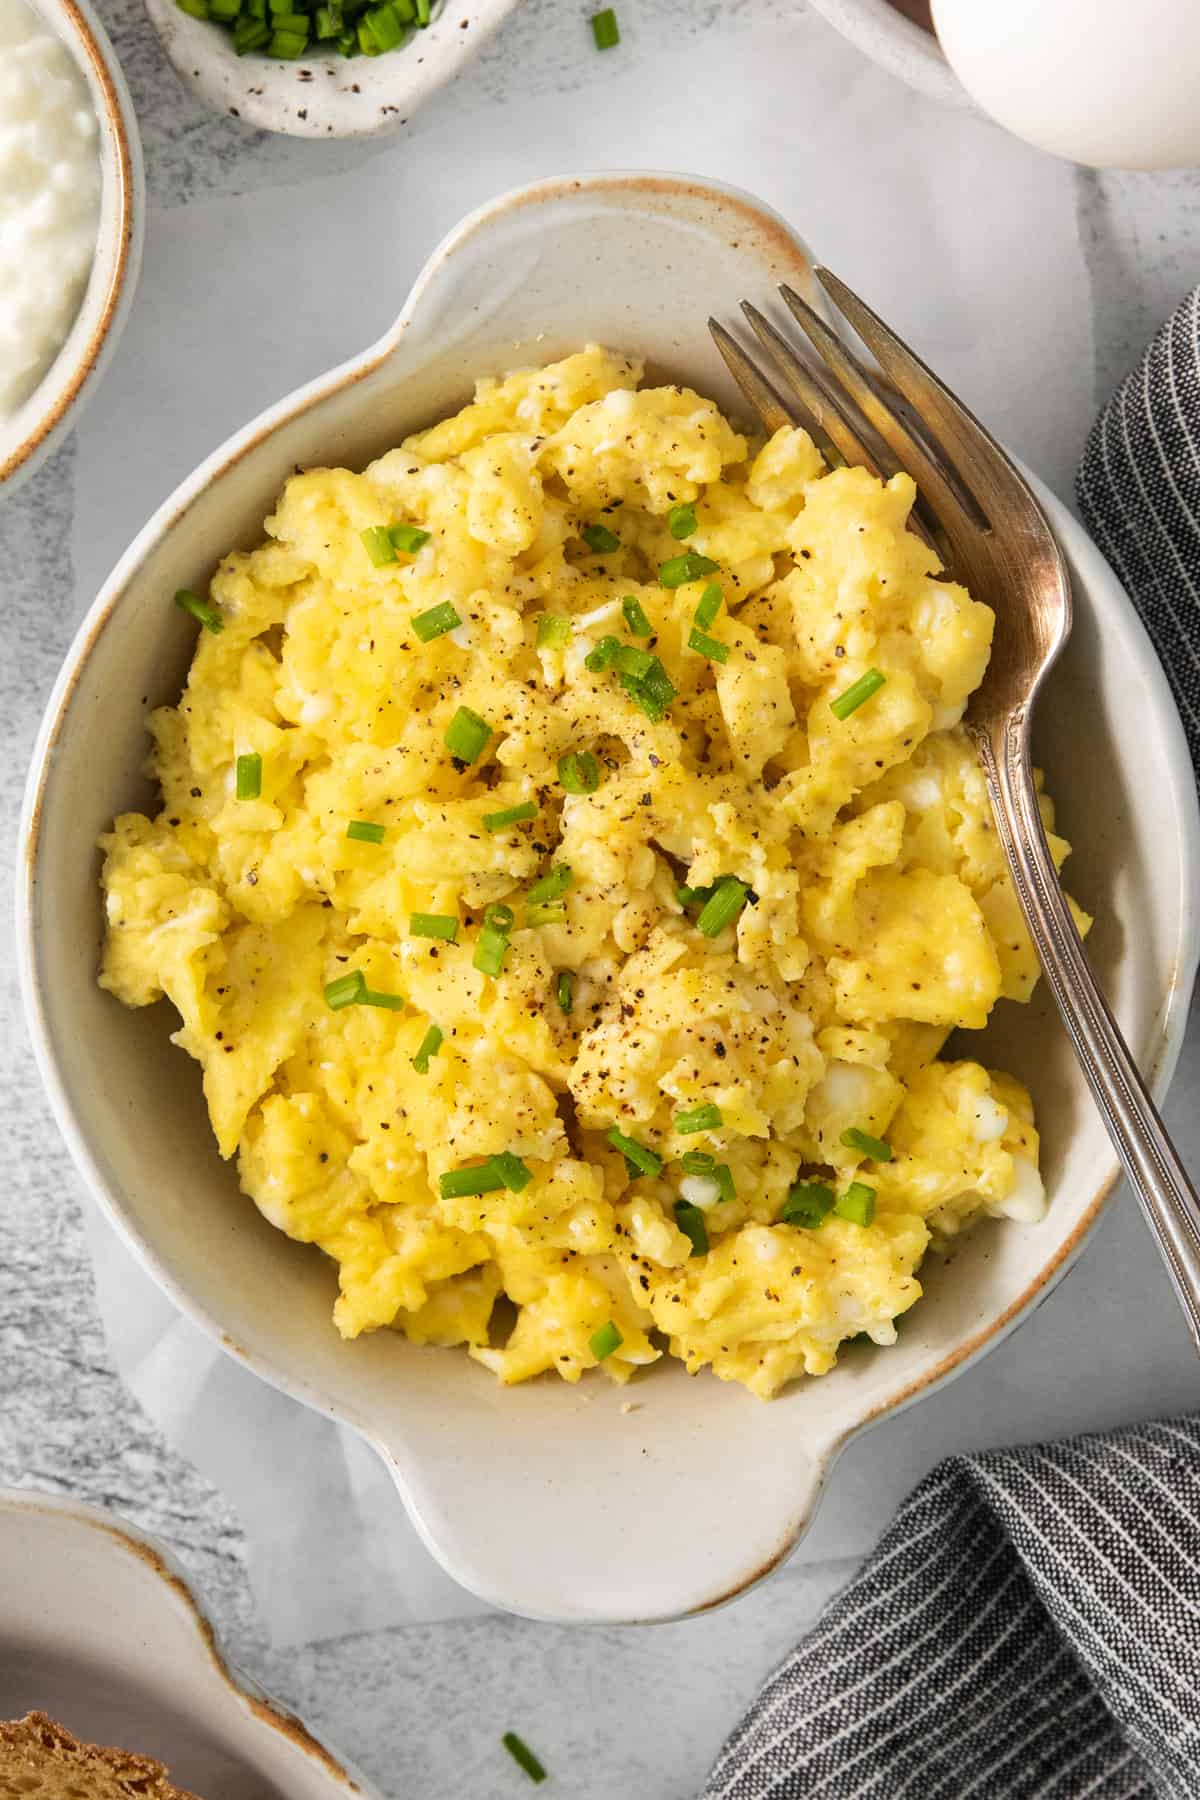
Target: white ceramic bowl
[(897, 44), (100, 1629), (326, 96), (51, 410), (546, 1499)]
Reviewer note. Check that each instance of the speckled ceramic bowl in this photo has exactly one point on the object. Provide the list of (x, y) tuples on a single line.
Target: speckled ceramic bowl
[(326, 96), (588, 1502), (51, 410), (100, 1629)]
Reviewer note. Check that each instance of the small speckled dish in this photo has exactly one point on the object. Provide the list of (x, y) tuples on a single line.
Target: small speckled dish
[(326, 96), (550, 1500), (100, 1629), (40, 425)]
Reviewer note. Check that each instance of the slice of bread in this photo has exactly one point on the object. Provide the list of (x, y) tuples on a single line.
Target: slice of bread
[(40, 1760)]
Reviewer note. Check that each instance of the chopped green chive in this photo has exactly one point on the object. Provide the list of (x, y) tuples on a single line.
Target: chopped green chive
[(564, 990), (708, 646), (551, 912), (552, 630), (723, 907), (386, 26), (467, 735), (856, 693), (479, 1178), (706, 1117), (503, 1171), (602, 1343), (422, 13), (436, 622), (514, 1173), (857, 1204), (653, 693), (363, 832), (389, 1002), (512, 815), (690, 1221), (248, 778), (600, 658), (723, 1176), (492, 947), (605, 30), (635, 617), (600, 539), (434, 925), (250, 34), (490, 951), (550, 886), (874, 1147), (681, 520), (578, 772), (640, 1158), (378, 545), (284, 29), (688, 567), (407, 538), (430, 1044), (204, 610), (708, 606), (347, 990), (807, 1204), (694, 896), (520, 1752), (630, 661)]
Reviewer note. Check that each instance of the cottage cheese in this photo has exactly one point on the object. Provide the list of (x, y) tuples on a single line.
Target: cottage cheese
[(49, 198)]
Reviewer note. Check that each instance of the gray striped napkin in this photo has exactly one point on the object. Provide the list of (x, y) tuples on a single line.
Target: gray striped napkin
[(1029, 1627)]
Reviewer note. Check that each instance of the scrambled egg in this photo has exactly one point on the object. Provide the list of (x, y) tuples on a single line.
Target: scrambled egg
[(669, 1076)]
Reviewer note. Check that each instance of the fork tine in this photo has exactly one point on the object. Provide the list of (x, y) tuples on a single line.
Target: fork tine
[(849, 433), (957, 431), (929, 467), (771, 409), (853, 438)]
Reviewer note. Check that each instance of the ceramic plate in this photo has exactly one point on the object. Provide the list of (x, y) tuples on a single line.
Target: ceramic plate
[(100, 1629)]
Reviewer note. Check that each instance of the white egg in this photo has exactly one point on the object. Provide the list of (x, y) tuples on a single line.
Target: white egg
[(1115, 83)]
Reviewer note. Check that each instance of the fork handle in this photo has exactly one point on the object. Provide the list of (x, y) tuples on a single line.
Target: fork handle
[(1147, 1154)]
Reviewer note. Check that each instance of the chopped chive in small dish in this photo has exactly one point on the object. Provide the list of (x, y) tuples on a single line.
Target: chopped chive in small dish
[(290, 29)]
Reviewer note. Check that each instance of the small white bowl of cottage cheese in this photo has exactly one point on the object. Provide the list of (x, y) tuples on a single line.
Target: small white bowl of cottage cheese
[(71, 204)]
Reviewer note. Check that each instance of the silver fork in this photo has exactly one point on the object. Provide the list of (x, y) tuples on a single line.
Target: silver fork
[(992, 535)]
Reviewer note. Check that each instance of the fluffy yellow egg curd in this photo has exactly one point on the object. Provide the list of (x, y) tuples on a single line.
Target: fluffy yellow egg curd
[(570, 867)]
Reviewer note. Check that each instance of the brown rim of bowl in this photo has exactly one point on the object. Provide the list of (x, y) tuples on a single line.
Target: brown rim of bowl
[(114, 119)]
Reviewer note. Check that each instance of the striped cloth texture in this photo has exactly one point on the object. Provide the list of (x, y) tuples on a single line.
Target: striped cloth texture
[(1029, 1627), (1139, 493)]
